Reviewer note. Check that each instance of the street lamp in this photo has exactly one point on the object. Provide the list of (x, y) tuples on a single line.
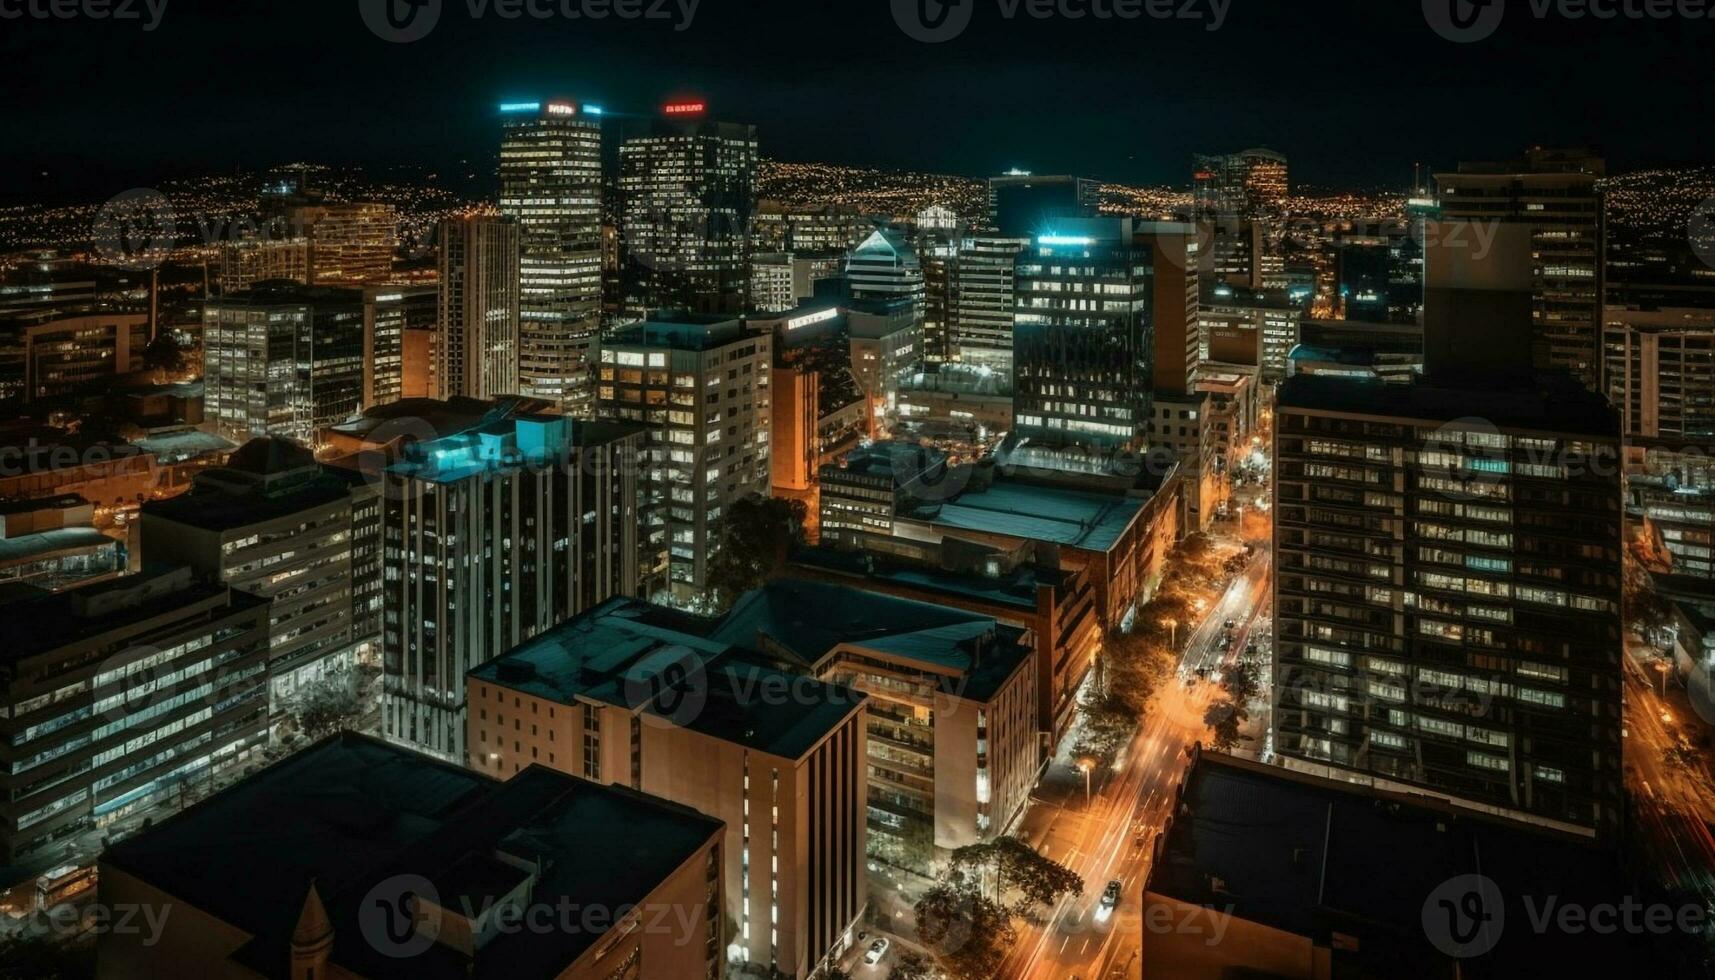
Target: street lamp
[(1085, 767), (1173, 632)]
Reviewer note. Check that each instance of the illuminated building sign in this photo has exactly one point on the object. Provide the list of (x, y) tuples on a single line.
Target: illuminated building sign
[(683, 108), (520, 106), (562, 109), (809, 319), (1052, 240), (592, 110)]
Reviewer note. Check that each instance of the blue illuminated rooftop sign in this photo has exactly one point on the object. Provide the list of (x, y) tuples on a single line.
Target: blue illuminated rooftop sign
[(1053, 240), (520, 106)]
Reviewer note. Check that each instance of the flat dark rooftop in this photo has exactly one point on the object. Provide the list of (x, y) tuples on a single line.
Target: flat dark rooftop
[(47, 622), (613, 654), (352, 812), (807, 619), (1311, 856), (216, 511), (1545, 403)]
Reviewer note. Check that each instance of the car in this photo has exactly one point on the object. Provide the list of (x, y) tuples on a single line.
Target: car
[(1111, 897), (1232, 624), (877, 950)]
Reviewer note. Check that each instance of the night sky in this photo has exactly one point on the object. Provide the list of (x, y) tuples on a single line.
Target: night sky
[(1353, 92)]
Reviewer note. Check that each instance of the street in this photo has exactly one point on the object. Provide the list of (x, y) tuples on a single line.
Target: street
[(1100, 841)]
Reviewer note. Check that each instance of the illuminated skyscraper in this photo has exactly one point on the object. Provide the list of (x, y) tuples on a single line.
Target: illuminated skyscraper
[(884, 268), (1249, 184), (550, 180), (1083, 343), (983, 301), (688, 192), (1241, 199), (478, 352)]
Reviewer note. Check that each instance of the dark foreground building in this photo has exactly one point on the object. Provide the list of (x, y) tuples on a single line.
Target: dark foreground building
[(361, 859), (1448, 592)]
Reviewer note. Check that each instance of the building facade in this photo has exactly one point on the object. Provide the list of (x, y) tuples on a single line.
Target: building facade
[(121, 697), (702, 386), (1448, 593), (1083, 340), (551, 183), (629, 692), (688, 193), (493, 534), (479, 352), (283, 361)]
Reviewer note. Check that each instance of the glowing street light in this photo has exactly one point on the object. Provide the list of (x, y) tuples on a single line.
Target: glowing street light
[(1084, 766)]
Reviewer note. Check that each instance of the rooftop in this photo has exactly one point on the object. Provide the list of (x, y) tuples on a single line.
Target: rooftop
[(1074, 518), (677, 330), (1299, 854), (352, 812), (1553, 404), (49, 542), (617, 653), (806, 620), (47, 622)]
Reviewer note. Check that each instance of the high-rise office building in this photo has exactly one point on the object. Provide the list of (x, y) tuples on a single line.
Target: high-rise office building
[(478, 355), (1083, 341), (885, 268), (1249, 184), (283, 360), (123, 696), (1555, 195), (349, 243), (390, 313), (1448, 592), (493, 534), (984, 302), (1240, 200), (937, 252), (1449, 562), (551, 182), (273, 523), (702, 386), (688, 193)]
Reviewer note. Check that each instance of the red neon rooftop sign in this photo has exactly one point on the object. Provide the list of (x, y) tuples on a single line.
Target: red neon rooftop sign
[(683, 108)]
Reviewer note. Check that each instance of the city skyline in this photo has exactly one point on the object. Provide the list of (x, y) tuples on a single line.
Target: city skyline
[(1122, 127), (1177, 489)]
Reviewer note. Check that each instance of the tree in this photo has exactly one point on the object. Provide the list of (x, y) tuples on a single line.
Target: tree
[(969, 933), (912, 966), (1136, 665), (164, 354), (34, 956), (1108, 724), (326, 706), (1014, 864), (757, 535), (1227, 717)]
